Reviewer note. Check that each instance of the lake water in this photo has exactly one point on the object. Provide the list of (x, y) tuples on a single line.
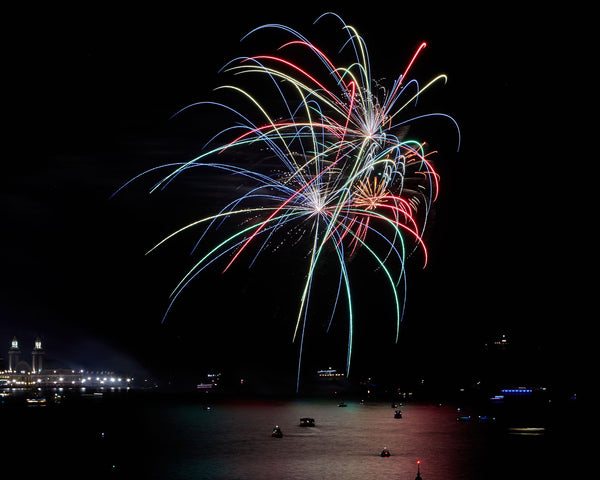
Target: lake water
[(181, 439)]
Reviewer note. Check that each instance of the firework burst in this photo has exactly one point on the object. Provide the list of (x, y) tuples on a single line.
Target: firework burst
[(346, 171)]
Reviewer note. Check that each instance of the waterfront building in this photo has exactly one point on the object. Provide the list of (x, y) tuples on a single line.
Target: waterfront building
[(330, 374), (37, 356), (21, 375), (14, 355), (501, 343)]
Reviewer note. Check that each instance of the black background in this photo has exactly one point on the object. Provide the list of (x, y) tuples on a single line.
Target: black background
[(89, 95)]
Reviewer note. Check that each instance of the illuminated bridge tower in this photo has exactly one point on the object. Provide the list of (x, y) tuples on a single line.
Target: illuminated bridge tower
[(14, 355), (37, 356)]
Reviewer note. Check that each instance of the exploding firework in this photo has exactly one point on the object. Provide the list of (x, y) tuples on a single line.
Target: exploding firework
[(345, 169)]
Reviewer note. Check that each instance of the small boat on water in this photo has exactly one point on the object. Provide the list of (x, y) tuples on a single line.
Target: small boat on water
[(277, 433), (486, 418), (397, 414), (418, 477), (385, 452), (342, 404), (307, 422)]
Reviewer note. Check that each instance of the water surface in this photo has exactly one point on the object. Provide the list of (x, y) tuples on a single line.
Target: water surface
[(232, 440)]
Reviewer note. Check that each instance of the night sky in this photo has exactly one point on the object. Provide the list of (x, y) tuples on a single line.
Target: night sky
[(89, 98)]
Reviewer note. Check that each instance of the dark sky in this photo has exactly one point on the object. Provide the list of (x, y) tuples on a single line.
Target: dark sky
[(89, 97)]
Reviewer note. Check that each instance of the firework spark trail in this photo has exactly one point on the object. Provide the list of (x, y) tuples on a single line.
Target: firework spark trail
[(343, 171)]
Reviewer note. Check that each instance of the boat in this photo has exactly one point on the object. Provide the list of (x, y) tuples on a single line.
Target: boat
[(307, 422), (418, 477), (277, 433), (342, 404), (385, 452), (36, 401), (397, 414), (486, 418)]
